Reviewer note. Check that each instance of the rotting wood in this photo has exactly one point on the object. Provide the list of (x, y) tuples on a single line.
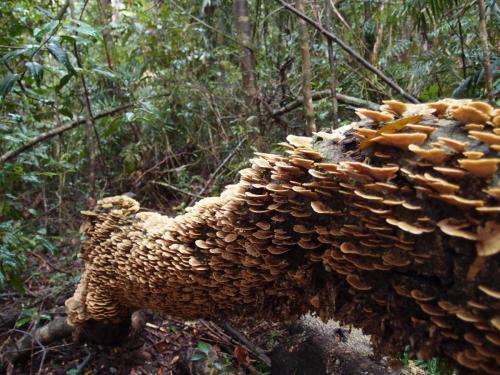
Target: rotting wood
[(53, 331), (385, 237)]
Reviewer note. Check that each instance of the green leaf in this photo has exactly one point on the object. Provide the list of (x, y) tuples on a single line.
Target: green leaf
[(106, 73), (23, 321), (66, 112), (60, 55), (36, 71), (204, 347), (16, 282), (17, 52), (113, 126), (7, 84), (45, 317), (64, 80), (85, 29), (47, 28), (197, 356)]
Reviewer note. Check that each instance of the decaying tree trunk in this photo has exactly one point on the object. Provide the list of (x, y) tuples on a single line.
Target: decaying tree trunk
[(390, 224)]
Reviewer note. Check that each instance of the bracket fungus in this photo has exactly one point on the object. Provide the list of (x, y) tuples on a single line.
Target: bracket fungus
[(396, 232)]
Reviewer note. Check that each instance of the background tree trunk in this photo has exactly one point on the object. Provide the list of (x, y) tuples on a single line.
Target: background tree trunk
[(333, 64), (247, 58), (379, 33), (306, 71), (483, 34)]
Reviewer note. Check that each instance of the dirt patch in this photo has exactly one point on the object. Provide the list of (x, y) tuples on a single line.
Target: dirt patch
[(314, 347)]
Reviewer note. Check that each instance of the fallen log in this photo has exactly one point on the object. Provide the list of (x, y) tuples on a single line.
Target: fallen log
[(390, 224)]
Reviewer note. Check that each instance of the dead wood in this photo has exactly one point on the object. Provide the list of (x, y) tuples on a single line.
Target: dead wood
[(49, 333)]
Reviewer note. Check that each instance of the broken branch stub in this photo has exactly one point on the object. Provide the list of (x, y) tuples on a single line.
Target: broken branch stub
[(398, 237)]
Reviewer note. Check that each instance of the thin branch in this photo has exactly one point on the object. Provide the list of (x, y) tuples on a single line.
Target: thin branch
[(276, 117), (350, 51), (50, 265), (165, 184), (56, 131), (52, 331), (326, 94), (259, 352), (220, 168)]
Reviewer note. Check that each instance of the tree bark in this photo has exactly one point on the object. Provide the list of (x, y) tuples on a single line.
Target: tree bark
[(306, 71), (247, 57), (333, 64), (483, 35), (378, 39)]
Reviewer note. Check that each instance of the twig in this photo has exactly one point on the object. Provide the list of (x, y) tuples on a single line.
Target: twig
[(55, 330), (42, 347), (161, 183), (7, 295), (48, 264), (79, 369), (219, 169), (259, 352), (350, 51), (56, 131), (276, 117), (326, 94)]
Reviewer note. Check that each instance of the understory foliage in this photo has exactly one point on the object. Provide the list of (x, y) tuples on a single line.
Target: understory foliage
[(178, 66)]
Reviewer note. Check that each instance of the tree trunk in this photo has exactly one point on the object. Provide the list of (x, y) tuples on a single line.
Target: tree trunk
[(356, 226), (108, 43), (378, 39), (483, 34), (247, 58), (367, 7), (306, 71), (333, 64)]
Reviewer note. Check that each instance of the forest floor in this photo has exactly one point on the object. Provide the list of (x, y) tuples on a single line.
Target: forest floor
[(166, 345)]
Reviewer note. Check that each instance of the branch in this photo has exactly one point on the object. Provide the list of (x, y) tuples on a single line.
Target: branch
[(50, 265), (350, 51), (56, 131), (326, 94), (259, 352), (185, 192), (53, 331), (219, 169)]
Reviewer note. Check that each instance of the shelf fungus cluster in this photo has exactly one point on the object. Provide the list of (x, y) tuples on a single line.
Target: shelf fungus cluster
[(390, 224)]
